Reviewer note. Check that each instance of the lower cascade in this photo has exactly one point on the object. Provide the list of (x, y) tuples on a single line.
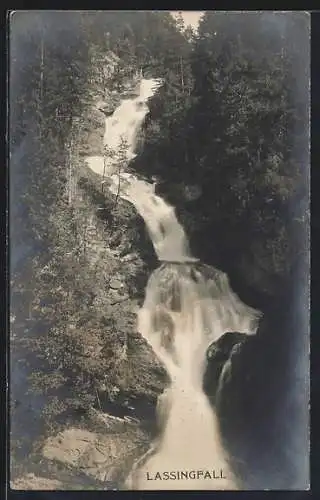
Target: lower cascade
[(187, 307), (184, 311)]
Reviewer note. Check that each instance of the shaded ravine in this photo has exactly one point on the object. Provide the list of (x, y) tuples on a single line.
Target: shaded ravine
[(184, 311)]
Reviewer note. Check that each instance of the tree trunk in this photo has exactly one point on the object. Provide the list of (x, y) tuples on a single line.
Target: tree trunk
[(181, 72), (41, 93), (119, 185), (70, 179)]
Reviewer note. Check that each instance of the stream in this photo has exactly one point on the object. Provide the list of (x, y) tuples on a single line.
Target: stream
[(184, 311)]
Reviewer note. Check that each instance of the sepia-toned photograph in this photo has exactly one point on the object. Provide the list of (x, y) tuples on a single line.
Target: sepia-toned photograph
[(159, 250)]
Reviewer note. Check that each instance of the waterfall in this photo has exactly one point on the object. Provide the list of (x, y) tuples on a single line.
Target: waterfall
[(121, 128), (183, 313), (186, 308)]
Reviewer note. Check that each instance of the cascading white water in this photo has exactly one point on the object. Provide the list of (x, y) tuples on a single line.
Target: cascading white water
[(121, 128), (183, 313), (185, 310), (166, 233)]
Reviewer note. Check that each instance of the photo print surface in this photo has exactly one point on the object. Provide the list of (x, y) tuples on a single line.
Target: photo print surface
[(159, 250)]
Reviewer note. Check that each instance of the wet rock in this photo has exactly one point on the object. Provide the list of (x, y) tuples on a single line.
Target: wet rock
[(129, 257), (69, 446), (219, 354), (116, 284), (102, 457), (33, 482), (106, 109)]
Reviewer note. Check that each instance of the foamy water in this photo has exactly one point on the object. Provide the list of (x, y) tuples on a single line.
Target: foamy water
[(190, 454), (183, 313), (121, 129)]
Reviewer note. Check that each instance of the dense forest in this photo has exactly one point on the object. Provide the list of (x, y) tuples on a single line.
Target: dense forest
[(239, 136), (227, 140)]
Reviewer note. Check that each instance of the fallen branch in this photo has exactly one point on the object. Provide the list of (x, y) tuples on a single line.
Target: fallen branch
[(99, 402), (119, 301)]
